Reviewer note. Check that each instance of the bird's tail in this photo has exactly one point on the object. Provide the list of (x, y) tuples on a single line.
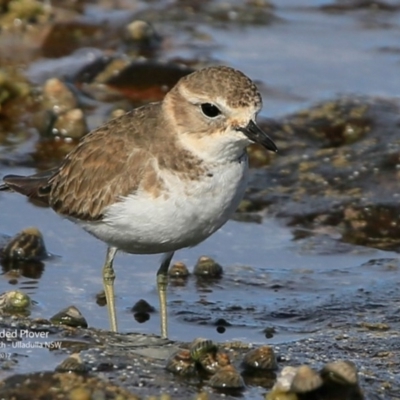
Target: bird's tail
[(34, 186)]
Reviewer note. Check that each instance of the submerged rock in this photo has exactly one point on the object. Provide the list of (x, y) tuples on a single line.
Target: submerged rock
[(143, 306)]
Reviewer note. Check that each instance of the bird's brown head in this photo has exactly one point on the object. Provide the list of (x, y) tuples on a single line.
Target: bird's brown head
[(214, 111)]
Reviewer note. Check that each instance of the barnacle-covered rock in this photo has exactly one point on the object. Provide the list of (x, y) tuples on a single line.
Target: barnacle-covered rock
[(206, 353), (262, 358), (206, 267), (69, 316), (201, 347), (178, 270), (72, 364), (227, 378)]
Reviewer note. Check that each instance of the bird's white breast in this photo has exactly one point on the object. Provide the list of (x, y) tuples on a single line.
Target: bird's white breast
[(187, 213)]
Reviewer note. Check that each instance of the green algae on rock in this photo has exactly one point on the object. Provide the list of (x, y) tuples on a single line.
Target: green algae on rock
[(14, 302)]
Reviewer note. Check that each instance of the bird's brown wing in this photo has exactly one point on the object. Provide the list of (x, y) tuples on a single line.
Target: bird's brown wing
[(96, 174), (108, 163)]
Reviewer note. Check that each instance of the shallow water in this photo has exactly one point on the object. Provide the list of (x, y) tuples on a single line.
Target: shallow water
[(311, 56), (265, 271), (270, 280)]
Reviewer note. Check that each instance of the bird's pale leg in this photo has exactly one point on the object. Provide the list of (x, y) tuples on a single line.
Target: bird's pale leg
[(162, 281), (108, 282)]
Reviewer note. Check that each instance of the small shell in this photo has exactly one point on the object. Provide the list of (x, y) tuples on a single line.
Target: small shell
[(69, 316), (181, 363), (72, 364), (222, 359), (341, 372), (305, 380), (206, 267), (201, 347), (26, 245), (261, 358), (178, 270), (205, 352), (14, 300), (213, 362), (227, 378)]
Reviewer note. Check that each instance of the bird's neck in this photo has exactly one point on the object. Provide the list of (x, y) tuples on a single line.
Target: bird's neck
[(217, 148), (216, 145)]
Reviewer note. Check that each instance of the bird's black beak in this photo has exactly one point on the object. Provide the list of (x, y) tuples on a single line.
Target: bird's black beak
[(257, 135)]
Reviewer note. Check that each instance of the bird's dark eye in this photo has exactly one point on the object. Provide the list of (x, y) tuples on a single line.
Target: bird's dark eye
[(209, 110)]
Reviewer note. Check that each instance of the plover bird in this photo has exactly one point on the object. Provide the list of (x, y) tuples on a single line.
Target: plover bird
[(161, 177)]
